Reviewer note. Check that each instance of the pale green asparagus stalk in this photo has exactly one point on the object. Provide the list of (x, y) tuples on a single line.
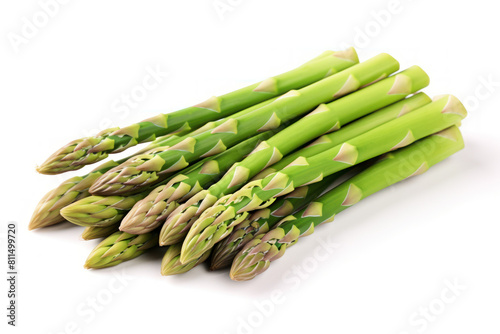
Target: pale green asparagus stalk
[(120, 247), (151, 212), (257, 255), (149, 169), (323, 119), (47, 211), (261, 221), (81, 152), (171, 265), (218, 222)]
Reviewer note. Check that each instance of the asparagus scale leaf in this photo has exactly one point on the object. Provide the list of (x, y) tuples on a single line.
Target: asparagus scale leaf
[(257, 255)]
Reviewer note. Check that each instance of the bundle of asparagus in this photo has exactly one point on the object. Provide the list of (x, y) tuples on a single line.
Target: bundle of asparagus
[(239, 178)]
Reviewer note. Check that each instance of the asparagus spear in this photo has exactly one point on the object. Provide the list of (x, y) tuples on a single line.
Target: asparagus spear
[(120, 247), (170, 264), (95, 232), (262, 220), (149, 169), (151, 212), (257, 255), (324, 119), (218, 222), (47, 211), (81, 152)]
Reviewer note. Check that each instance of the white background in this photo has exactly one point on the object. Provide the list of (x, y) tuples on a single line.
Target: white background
[(395, 251)]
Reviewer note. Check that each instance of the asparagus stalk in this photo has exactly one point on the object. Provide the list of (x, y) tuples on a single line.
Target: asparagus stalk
[(261, 221), (120, 247), (95, 232), (47, 211), (257, 255), (218, 221), (81, 152), (325, 118), (151, 212), (171, 265), (149, 169), (351, 130)]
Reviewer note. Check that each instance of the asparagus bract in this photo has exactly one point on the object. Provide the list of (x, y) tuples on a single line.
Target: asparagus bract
[(218, 221), (120, 247), (149, 169), (81, 152), (48, 209), (257, 255)]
